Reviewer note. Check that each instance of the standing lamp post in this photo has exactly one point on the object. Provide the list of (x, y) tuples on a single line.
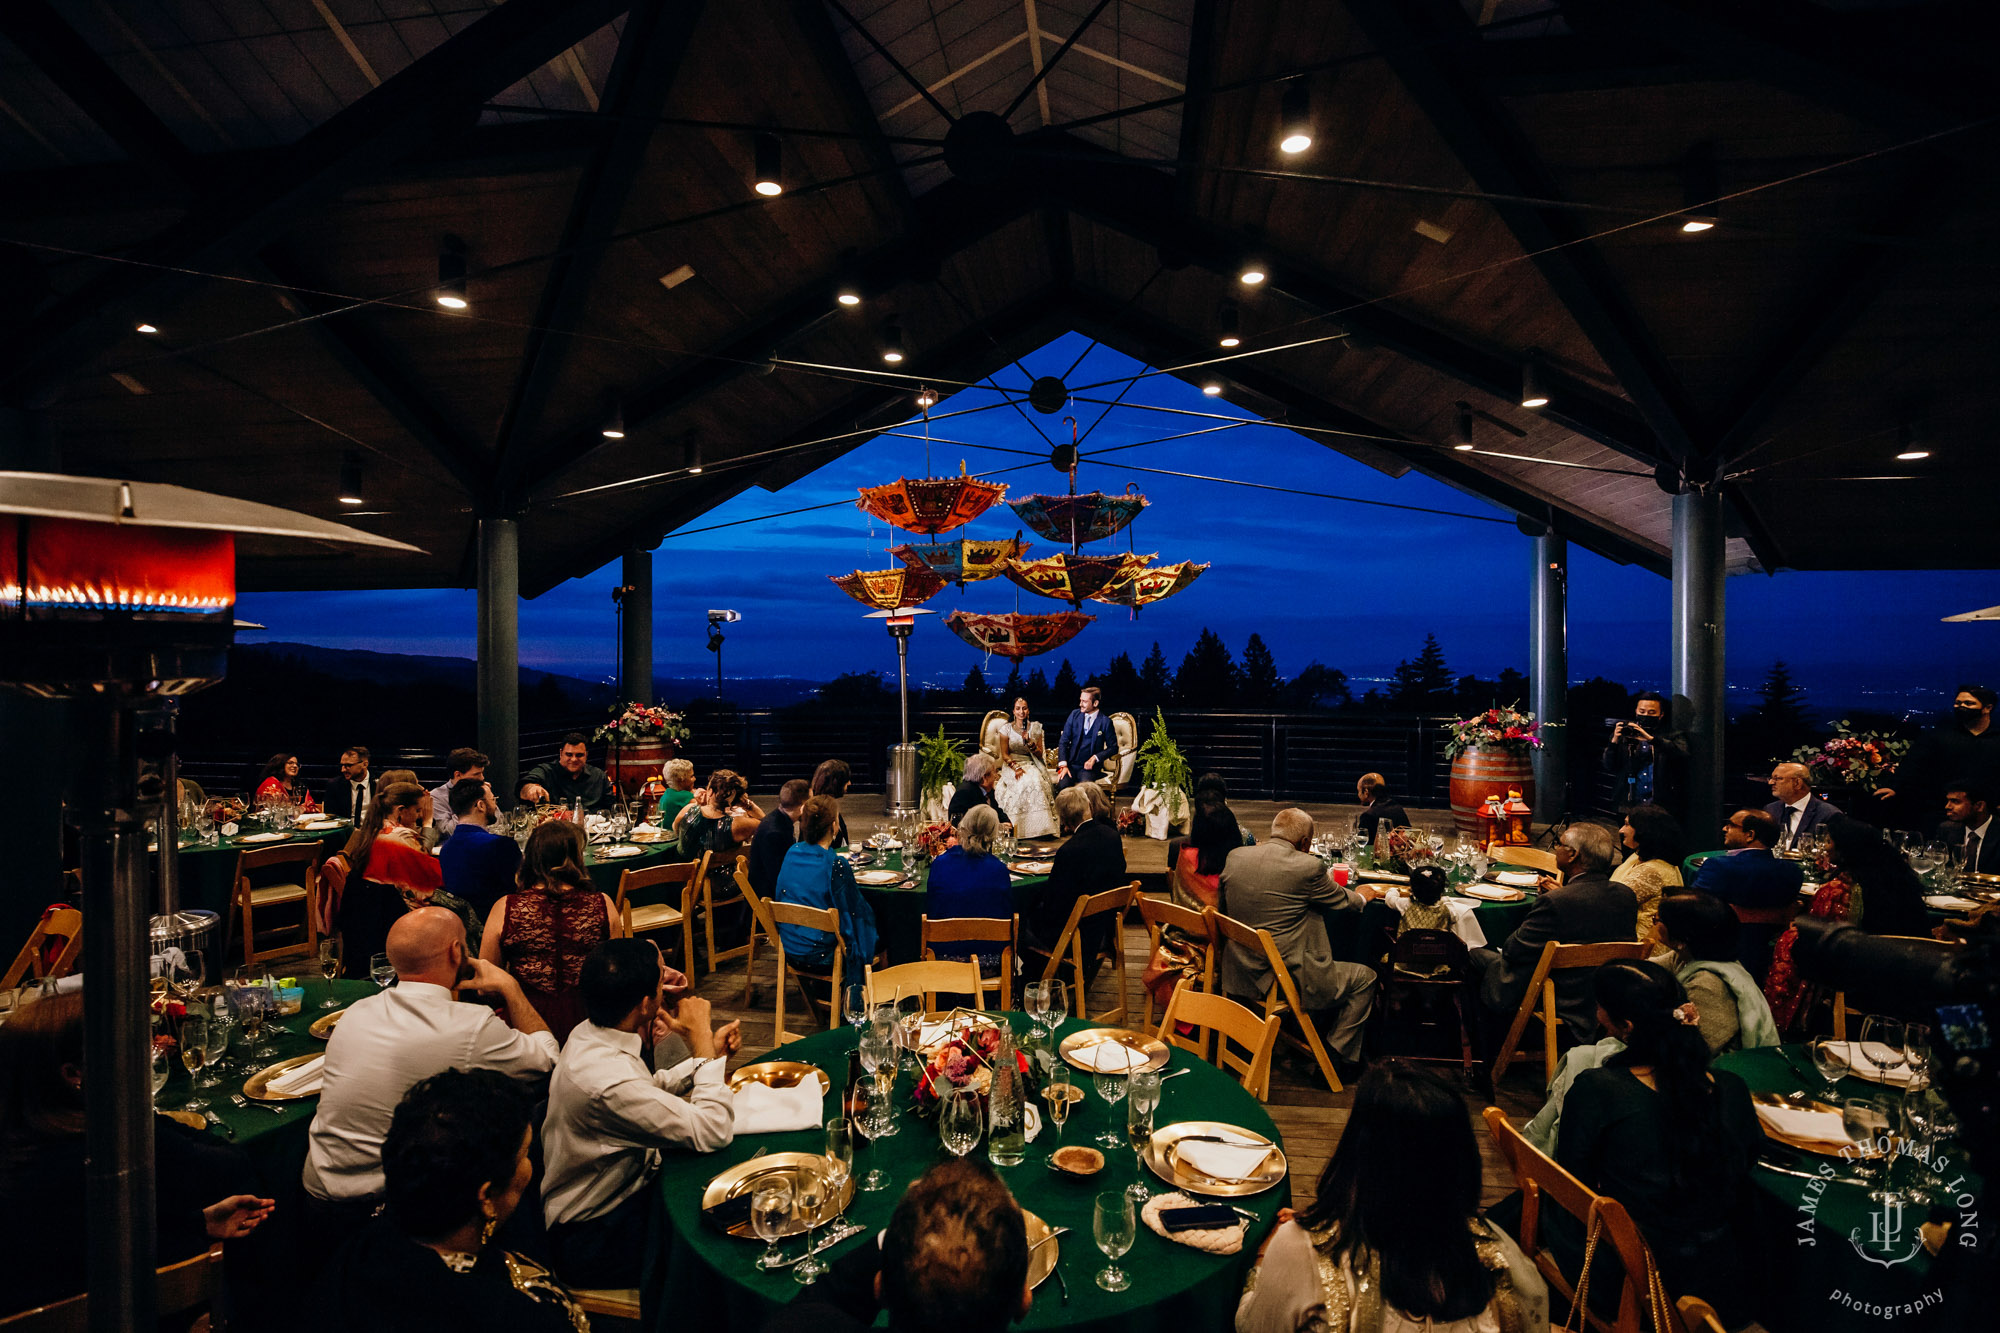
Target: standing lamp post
[(900, 788), (116, 595)]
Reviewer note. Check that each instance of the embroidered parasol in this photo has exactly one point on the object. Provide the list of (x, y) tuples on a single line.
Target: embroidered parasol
[(1075, 577), (887, 589), (1073, 519), (1017, 635), (964, 559), (930, 505), (1145, 586)]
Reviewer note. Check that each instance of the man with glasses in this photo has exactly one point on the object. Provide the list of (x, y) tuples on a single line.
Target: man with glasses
[(1760, 886), (351, 792), (1797, 811)]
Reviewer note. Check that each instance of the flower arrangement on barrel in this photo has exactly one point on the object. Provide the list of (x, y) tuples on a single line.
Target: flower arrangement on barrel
[(1491, 754), (640, 724), (1508, 730), (1851, 758), (963, 1060)]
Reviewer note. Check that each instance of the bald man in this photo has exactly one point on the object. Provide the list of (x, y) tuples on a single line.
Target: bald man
[(388, 1043), (1796, 811)]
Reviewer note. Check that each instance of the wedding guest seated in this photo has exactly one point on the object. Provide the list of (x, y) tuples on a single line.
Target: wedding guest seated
[(1697, 935), (1584, 907), (1873, 887), (422, 830), (455, 1166), (465, 764), (1657, 847), (203, 1190), (1753, 880), (813, 875), (775, 835), (1280, 886), (569, 778), (1213, 834), (1092, 861), (389, 1042), (541, 933), (831, 778), (384, 862), (1394, 1238), (721, 820), (1426, 911), (1667, 1136), (351, 793), (969, 881), (278, 784), (1797, 811), (1968, 809), (1376, 806), (975, 786), (678, 774), (953, 1260), (610, 1116), (478, 864), (1214, 787)]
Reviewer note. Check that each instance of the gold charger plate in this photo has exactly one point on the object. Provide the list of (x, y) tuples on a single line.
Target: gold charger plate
[(263, 837), (322, 1027), (1163, 1160), (1489, 893), (780, 1074), (257, 1087), (1847, 1148), (1032, 867), (742, 1178), (880, 879), (1044, 1249), (660, 835), (1143, 1043)]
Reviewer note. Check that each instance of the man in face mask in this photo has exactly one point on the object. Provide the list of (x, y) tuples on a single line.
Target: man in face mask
[(1966, 750)]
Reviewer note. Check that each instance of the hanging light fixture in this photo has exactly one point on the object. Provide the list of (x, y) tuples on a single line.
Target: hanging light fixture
[(1252, 273), (614, 422), (1700, 187), (892, 343), (1295, 124), (147, 328), (1232, 325), (450, 291), (350, 480), (694, 456), (1212, 389), (1912, 443), (1464, 444), (927, 397), (770, 181), (1532, 392), (847, 294)]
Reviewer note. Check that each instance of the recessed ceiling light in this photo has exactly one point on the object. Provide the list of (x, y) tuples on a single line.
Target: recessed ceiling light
[(450, 291), (892, 343), (350, 480), (1462, 448), (677, 277), (847, 296), (147, 328), (1912, 455), (1252, 274), (1701, 190), (1212, 389), (1295, 121), (770, 159), (1697, 224), (1532, 393)]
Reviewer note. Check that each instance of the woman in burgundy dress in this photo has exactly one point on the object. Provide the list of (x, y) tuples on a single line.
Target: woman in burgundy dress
[(544, 930)]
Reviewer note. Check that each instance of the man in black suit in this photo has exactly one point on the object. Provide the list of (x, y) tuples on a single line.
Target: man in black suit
[(351, 792), (1092, 861), (1088, 744), (1797, 811), (1647, 760), (1377, 807), (975, 787), (1970, 808), (1584, 908)]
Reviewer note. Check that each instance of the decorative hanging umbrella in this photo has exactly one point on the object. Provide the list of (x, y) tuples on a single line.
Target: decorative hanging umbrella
[(1078, 518), (887, 589), (930, 505), (962, 560), (1016, 635), (1075, 577), (1145, 586)]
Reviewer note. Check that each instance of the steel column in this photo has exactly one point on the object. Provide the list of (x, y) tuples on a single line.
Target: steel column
[(500, 653), (1548, 672), (1697, 648), (636, 650)]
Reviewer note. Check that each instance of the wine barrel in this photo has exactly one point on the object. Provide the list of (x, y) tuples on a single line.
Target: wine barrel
[(630, 763), (1477, 774)]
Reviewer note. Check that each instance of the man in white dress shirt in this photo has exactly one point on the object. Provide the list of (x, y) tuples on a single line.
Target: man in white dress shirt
[(611, 1114), (388, 1043), (1971, 813)]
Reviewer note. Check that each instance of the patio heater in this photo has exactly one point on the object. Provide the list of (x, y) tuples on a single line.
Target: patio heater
[(119, 595), (900, 787)]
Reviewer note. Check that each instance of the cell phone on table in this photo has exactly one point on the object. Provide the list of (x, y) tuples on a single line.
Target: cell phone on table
[(1201, 1217)]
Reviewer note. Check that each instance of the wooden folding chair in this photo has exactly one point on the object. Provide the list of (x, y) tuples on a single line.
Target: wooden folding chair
[(1281, 997), (252, 898), (977, 930), (181, 1287), (609, 1302), (947, 975), (1404, 976), (1157, 914), (1069, 948), (1556, 957), (739, 877), (1842, 1011), (670, 891), (61, 928), (768, 915), (1698, 1316), (1528, 858), (1230, 1022), (1641, 1298)]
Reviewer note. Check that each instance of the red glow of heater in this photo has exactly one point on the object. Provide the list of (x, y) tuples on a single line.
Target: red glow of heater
[(98, 567)]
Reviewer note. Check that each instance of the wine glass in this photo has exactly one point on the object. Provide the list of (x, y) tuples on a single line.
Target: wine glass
[(253, 1009), (188, 976), (770, 1209), (1059, 1092), (160, 1068), (1882, 1047), (1871, 1123), (1831, 1059), (958, 1121), (194, 1055), (1111, 1087), (876, 1051), (1035, 1000), (329, 968), (877, 1121), (1917, 1051), (808, 1198), (1142, 1092), (220, 1021), (381, 971), (1113, 1223), (910, 1028), (839, 1161), (1058, 1004), (854, 1004)]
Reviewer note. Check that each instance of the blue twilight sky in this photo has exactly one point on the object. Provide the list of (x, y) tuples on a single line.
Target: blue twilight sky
[(1350, 585)]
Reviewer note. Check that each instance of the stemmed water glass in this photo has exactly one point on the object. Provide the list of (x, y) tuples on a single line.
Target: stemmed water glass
[(1111, 1087), (216, 1046), (910, 1028), (1871, 1123), (194, 1055), (1142, 1091), (958, 1121), (876, 1121), (1035, 1000), (157, 1056), (770, 1209), (253, 1010), (1114, 1226), (1058, 1008), (854, 1005), (1830, 1059), (1882, 1041)]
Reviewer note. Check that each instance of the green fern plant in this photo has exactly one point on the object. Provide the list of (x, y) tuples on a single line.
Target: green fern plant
[(940, 761), (1161, 764)]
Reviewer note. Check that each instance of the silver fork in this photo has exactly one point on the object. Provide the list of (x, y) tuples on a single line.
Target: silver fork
[(243, 1101)]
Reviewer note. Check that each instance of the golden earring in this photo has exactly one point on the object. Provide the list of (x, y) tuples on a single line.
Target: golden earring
[(486, 1232)]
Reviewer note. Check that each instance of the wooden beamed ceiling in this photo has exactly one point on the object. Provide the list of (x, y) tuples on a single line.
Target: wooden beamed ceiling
[(1483, 193)]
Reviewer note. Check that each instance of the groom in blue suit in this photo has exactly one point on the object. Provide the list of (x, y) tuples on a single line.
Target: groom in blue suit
[(1087, 744)]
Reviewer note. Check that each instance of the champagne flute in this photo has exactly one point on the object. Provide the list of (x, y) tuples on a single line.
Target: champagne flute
[(958, 1121), (839, 1162), (770, 1209), (194, 1055), (1111, 1087), (1142, 1091), (1113, 1224), (329, 968), (1870, 1122), (910, 1029), (1059, 1092), (254, 1007), (808, 1198)]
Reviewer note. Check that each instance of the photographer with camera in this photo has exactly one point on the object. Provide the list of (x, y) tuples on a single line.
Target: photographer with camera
[(1647, 758)]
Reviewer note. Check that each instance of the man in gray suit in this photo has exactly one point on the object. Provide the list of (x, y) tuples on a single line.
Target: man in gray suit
[(1281, 887)]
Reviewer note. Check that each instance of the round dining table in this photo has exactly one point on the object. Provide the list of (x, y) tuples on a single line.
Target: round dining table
[(707, 1279), (899, 911)]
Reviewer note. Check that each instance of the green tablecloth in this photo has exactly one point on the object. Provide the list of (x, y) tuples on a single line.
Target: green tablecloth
[(899, 913), (208, 869), (1817, 1273), (709, 1282)]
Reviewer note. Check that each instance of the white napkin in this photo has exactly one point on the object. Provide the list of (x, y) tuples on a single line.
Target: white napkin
[(647, 827), (931, 1033), (1110, 1057), (1517, 879), (1224, 1161), (1867, 1057), (1950, 902), (766, 1110), (306, 1078), (1812, 1126)]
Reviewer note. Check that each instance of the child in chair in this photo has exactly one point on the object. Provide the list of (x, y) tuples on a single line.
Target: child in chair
[(1425, 911)]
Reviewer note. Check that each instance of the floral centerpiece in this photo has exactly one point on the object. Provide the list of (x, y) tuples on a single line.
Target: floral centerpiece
[(1851, 758), (1409, 847), (1508, 730), (935, 838), (962, 1060), (1132, 823), (638, 724)]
